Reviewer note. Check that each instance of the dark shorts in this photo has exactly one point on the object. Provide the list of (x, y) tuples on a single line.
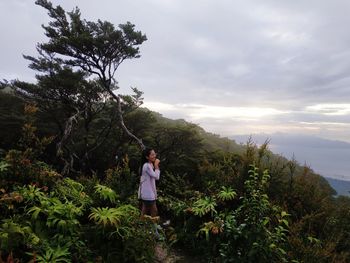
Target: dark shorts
[(148, 203)]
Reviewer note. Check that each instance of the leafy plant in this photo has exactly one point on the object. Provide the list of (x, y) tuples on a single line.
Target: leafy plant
[(226, 194), (105, 216), (13, 234), (68, 189), (3, 166), (214, 227), (204, 206), (32, 194), (111, 216), (53, 255), (106, 193), (60, 216), (252, 228)]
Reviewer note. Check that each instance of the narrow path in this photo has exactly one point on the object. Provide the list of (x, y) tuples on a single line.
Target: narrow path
[(164, 255)]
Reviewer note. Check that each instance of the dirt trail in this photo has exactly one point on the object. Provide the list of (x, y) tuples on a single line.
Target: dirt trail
[(164, 255)]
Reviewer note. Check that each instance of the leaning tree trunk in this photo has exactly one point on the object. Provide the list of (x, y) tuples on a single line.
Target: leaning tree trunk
[(121, 120)]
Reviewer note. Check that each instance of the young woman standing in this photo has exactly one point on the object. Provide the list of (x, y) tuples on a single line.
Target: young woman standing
[(147, 190)]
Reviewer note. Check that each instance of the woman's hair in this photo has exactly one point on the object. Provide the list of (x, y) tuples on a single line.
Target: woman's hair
[(145, 153)]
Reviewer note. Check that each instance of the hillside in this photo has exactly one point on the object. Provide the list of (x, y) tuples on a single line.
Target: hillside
[(205, 179), (211, 141), (178, 133)]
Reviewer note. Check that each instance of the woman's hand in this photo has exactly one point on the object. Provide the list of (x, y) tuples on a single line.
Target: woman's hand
[(156, 163)]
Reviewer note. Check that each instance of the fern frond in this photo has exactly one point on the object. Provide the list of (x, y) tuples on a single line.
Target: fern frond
[(226, 194), (106, 193)]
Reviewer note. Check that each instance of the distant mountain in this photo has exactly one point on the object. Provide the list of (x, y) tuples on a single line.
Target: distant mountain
[(329, 158), (342, 187)]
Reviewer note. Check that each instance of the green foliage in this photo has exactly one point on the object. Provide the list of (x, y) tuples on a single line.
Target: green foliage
[(203, 206), (126, 237), (226, 194), (9, 201), (117, 219), (22, 166), (106, 216), (11, 119), (55, 223), (106, 193), (52, 255), (251, 229), (82, 41), (31, 194), (3, 166), (212, 227), (32, 145), (214, 207), (178, 145), (13, 234), (62, 217), (122, 180), (68, 189)]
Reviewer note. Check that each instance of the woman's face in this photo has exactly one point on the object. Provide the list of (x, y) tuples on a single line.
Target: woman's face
[(152, 156)]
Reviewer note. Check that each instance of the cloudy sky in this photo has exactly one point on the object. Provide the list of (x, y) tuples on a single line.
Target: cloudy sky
[(231, 66)]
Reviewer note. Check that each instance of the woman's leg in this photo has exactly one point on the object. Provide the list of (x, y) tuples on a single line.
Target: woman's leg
[(144, 209), (147, 208), (154, 210)]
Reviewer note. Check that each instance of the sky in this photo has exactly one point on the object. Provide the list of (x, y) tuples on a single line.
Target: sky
[(233, 67)]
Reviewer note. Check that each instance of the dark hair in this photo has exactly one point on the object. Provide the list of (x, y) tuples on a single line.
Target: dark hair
[(145, 153)]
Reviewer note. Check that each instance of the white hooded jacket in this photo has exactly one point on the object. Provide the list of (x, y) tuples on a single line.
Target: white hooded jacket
[(147, 188)]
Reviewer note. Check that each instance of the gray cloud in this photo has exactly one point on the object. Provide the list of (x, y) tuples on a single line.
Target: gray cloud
[(284, 55)]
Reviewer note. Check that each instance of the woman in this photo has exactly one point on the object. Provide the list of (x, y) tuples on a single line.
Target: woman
[(147, 190)]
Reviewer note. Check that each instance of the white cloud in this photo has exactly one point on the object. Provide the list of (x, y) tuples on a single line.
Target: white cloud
[(330, 109), (248, 113), (197, 111)]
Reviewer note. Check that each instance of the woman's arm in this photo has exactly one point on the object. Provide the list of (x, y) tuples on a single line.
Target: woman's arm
[(155, 174)]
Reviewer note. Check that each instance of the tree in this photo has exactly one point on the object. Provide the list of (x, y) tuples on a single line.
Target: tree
[(76, 85), (94, 48), (67, 97), (11, 119)]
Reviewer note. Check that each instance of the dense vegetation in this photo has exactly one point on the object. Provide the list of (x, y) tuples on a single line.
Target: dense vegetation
[(69, 169)]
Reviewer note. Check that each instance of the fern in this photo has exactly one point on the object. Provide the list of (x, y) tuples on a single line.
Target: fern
[(204, 206), (226, 194), (31, 193), (69, 189), (3, 166), (12, 233), (111, 216), (53, 255), (106, 193), (105, 216), (63, 216)]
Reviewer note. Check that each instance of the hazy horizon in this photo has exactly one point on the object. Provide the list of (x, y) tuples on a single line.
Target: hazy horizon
[(329, 158)]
